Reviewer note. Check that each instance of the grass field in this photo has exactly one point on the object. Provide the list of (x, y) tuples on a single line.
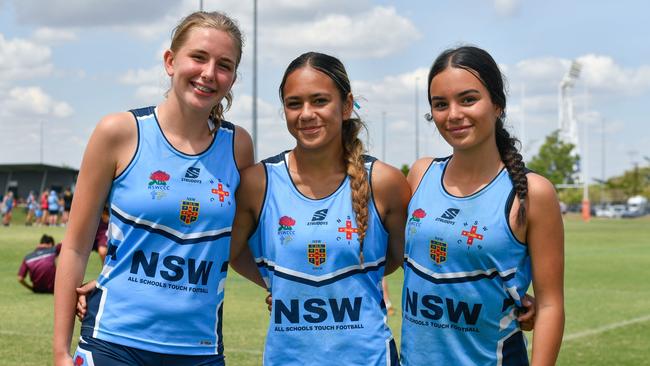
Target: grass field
[(607, 299)]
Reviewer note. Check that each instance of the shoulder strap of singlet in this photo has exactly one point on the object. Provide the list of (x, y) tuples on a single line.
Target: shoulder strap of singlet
[(228, 125), (141, 112), (275, 159), (510, 201)]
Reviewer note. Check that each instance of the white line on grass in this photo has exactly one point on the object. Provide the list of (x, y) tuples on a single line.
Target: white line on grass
[(603, 329)]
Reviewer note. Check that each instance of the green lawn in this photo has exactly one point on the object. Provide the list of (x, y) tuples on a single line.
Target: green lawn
[(607, 299)]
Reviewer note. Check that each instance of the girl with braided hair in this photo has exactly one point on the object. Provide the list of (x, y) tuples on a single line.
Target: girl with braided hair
[(482, 228), (324, 223)]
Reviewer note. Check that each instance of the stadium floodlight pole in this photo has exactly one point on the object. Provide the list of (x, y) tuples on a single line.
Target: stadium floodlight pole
[(41, 142), (523, 116), (602, 159), (417, 125), (254, 106), (383, 136)]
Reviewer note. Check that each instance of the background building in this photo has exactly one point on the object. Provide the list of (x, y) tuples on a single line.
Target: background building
[(22, 178)]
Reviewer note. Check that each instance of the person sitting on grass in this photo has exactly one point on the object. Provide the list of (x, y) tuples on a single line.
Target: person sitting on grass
[(40, 265)]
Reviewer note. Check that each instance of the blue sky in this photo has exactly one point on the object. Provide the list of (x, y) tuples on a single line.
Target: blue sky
[(66, 63)]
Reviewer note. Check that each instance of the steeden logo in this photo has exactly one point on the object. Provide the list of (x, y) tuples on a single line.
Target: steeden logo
[(448, 216), (192, 172), (191, 175), (319, 218)]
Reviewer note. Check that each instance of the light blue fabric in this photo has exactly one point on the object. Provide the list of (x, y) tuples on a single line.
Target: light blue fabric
[(162, 286), (464, 276), (327, 309)]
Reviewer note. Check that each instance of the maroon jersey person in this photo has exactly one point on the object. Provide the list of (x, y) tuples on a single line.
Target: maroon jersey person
[(40, 265)]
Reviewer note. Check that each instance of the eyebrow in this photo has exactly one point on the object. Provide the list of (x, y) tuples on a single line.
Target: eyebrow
[(461, 94), (203, 52), (315, 95)]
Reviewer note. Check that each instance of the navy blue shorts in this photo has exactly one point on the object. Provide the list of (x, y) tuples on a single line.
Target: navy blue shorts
[(95, 352)]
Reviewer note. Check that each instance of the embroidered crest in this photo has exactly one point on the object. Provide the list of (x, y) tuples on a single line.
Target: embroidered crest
[(316, 253), (189, 211)]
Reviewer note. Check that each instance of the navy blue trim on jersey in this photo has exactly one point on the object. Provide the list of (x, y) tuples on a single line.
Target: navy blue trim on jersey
[(136, 113), (224, 266), (393, 355), (476, 277), (202, 240), (324, 282), (214, 138), (442, 182), (434, 160), (275, 158), (93, 301), (286, 166), (220, 346), (98, 352), (514, 351), (372, 160), (230, 126), (509, 203)]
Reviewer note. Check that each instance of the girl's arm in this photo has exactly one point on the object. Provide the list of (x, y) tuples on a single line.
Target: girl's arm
[(392, 194), (108, 152), (249, 197), (545, 236)]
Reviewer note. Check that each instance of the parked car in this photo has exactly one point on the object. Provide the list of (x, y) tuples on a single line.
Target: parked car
[(612, 211)]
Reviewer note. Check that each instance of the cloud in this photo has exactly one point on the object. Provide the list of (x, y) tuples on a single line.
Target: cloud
[(348, 36), (600, 73), (506, 8), (23, 59), (52, 35), (87, 13), (603, 74), (24, 103)]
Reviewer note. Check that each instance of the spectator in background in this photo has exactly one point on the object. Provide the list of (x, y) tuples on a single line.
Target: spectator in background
[(52, 208), (30, 206), (43, 217), (101, 236), (67, 203), (40, 265), (8, 203)]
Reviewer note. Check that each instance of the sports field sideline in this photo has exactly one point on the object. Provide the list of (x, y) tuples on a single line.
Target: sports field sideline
[(607, 292)]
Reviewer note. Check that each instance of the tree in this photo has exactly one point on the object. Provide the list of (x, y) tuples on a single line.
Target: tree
[(555, 160), (405, 169)]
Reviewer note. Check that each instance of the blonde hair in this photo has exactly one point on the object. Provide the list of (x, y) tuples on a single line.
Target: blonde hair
[(353, 148), (216, 20)]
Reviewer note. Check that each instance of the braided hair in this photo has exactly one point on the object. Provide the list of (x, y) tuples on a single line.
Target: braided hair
[(353, 147), (482, 65)]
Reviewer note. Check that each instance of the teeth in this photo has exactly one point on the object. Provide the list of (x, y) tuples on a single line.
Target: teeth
[(203, 88)]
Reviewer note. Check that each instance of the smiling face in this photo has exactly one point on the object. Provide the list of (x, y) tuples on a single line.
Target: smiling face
[(462, 109), (314, 108), (203, 68)]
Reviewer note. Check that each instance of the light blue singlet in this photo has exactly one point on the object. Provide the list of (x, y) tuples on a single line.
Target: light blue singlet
[(162, 286), (464, 276), (327, 309)]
